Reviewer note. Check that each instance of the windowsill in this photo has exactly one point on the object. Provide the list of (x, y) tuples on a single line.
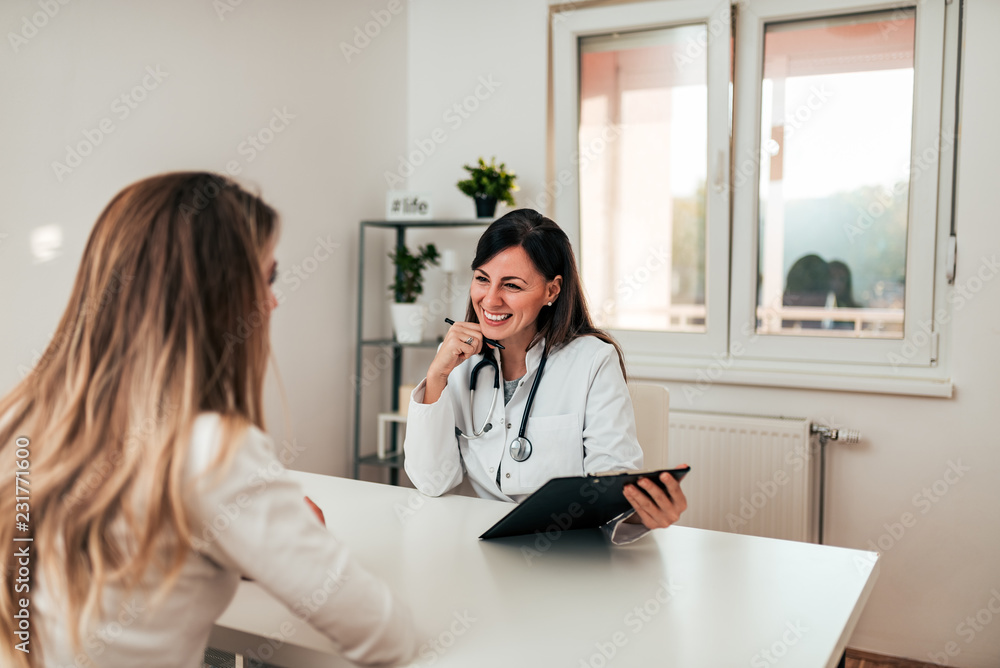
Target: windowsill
[(702, 373)]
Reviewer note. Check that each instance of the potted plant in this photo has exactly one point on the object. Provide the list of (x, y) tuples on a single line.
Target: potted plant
[(488, 184), (408, 316)]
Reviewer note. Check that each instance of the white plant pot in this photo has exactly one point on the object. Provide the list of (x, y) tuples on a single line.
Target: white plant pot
[(408, 322)]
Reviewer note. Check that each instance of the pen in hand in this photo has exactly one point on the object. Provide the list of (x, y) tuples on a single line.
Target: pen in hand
[(495, 344)]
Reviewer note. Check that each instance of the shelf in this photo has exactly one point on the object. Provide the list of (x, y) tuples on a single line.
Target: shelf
[(397, 228), (472, 222), (392, 461), (395, 344)]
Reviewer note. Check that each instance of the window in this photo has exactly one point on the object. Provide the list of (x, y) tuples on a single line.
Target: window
[(768, 196), (651, 82), (650, 118), (832, 241)]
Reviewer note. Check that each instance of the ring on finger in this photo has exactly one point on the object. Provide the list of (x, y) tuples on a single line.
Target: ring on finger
[(469, 341)]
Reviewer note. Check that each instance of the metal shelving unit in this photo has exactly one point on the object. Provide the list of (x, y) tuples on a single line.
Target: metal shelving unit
[(394, 462)]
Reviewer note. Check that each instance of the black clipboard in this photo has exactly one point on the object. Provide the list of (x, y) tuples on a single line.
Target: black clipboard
[(578, 502)]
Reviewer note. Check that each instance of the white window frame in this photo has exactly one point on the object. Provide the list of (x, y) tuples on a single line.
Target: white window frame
[(915, 364), (566, 95), (922, 208)]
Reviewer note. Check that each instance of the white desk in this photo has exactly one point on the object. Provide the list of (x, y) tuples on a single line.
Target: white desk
[(681, 597)]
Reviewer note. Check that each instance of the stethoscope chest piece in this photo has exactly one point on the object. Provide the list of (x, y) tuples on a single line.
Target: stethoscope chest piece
[(520, 449)]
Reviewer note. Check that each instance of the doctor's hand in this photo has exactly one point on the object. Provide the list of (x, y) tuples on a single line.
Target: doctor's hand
[(654, 509), (463, 340)]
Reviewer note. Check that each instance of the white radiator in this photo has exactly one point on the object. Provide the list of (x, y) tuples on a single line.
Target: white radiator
[(750, 475)]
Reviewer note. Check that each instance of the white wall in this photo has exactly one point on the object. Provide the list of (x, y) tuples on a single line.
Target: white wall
[(224, 77), (454, 47), (944, 568), (327, 171)]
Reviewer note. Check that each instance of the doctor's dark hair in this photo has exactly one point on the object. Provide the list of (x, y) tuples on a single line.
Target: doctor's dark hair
[(550, 251)]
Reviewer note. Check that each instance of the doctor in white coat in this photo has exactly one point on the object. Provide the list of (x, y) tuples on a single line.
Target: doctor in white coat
[(526, 294)]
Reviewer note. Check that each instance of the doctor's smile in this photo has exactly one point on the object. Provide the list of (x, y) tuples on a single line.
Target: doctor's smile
[(507, 293)]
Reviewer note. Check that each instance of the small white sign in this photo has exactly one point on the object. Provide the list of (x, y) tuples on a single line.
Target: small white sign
[(405, 205)]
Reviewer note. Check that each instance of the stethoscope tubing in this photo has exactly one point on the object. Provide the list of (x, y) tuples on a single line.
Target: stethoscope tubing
[(493, 404), (520, 447), (490, 361), (531, 394)]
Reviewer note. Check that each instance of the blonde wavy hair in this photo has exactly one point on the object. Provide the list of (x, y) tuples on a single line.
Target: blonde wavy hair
[(168, 318)]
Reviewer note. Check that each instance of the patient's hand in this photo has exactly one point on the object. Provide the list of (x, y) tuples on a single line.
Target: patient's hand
[(316, 509)]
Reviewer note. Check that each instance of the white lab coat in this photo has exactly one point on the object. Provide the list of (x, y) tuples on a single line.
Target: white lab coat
[(581, 422)]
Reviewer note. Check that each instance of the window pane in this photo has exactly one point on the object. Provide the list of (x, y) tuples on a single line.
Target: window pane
[(642, 157), (836, 116)]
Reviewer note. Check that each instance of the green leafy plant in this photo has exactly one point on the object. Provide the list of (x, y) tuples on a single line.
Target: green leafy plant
[(410, 271), (489, 181)]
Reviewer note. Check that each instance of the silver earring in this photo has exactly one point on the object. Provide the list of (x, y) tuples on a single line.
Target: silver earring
[(550, 303)]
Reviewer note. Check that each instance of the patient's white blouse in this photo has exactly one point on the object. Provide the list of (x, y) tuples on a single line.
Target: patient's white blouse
[(252, 521)]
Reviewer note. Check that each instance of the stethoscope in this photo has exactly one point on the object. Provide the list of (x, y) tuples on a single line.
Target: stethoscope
[(520, 447)]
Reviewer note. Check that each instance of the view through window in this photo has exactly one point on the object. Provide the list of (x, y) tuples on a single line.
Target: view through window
[(643, 155), (836, 121)]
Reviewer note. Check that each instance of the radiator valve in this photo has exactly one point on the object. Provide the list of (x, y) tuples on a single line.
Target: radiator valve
[(841, 435)]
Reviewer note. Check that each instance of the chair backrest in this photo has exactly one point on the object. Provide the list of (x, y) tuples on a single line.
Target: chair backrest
[(652, 420)]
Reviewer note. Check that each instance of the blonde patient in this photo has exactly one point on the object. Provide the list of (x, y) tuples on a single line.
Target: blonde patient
[(143, 423)]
